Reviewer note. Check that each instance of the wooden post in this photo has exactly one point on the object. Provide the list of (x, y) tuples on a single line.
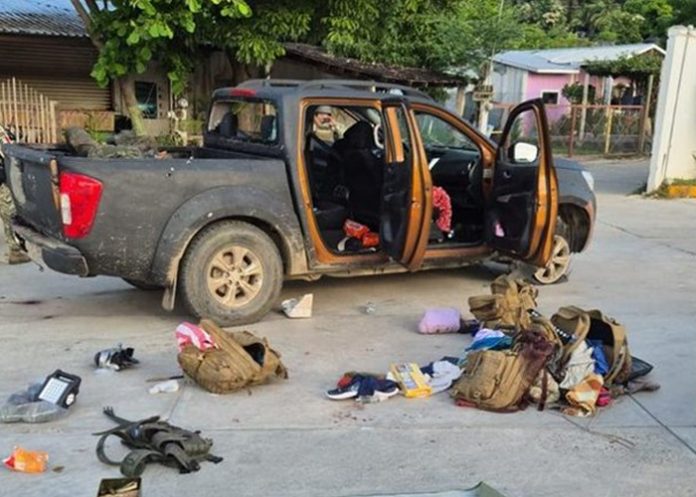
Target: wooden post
[(25, 114), (52, 121), (14, 106), (3, 117), (44, 128), (571, 140), (583, 112), (461, 100), (37, 117), (607, 129), (645, 114)]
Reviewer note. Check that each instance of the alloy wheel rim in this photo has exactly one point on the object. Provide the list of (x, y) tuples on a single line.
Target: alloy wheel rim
[(558, 264), (234, 276)]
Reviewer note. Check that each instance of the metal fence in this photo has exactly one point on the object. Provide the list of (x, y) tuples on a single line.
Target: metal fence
[(606, 130)]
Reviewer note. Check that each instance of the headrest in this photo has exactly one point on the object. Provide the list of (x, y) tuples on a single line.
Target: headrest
[(360, 135), (268, 131), (228, 125)]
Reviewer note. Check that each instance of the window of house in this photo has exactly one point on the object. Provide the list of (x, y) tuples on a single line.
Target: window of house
[(146, 95), (549, 97)]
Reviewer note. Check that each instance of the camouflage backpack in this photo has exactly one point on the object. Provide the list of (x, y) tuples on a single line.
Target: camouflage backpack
[(508, 305), (594, 325), (498, 380), (239, 359)]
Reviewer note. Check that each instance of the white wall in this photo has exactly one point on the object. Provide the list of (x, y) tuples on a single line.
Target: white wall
[(674, 142), (509, 83)]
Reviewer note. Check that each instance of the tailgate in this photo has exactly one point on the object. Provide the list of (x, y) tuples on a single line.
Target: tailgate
[(32, 176)]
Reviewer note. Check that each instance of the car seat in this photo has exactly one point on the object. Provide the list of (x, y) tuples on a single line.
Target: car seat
[(363, 174), (228, 125), (268, 128)]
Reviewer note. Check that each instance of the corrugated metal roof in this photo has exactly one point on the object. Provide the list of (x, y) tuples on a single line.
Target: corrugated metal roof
[(40, 17), (569, 60)]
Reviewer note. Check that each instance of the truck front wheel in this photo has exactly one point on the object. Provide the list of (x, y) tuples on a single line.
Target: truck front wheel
[(232, 273)]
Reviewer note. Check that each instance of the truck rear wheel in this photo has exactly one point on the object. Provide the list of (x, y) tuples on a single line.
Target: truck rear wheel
[(232, 273)]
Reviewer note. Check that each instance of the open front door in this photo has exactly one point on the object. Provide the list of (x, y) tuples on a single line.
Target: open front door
[(522, 209), (406, 200)]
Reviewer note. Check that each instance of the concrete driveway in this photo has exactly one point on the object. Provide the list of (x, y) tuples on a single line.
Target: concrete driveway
[(285, 439)]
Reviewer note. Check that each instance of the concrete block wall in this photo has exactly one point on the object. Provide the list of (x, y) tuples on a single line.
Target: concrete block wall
[(674, 141)]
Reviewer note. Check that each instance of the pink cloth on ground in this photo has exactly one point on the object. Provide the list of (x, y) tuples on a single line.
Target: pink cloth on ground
[(190, 334), (440, 320)]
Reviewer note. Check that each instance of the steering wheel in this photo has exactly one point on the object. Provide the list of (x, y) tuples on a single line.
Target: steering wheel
[(378, 136)]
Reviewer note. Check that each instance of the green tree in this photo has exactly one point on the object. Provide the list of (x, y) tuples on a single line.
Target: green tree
[(128, 34), (658, 16), (684, 12)]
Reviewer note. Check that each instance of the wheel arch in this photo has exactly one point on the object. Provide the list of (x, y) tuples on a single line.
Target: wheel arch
[(246, 204), (579, 224)]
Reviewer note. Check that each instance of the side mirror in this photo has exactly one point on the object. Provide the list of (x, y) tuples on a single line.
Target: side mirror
[(524, 153)]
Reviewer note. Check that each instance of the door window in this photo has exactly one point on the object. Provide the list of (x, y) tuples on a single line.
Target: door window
[(522, 142)]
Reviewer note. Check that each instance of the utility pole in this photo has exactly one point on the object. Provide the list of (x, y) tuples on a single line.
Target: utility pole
[(485, 90)]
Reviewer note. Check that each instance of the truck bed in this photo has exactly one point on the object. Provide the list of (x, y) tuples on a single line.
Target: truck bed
[(140, 197)]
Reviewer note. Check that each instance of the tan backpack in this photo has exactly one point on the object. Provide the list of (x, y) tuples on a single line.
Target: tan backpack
[(594, 325), (508, 306), (240, 359), (498, 380)]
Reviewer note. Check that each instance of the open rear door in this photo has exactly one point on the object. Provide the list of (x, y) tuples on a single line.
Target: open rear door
[(406, 200), (522, 209)]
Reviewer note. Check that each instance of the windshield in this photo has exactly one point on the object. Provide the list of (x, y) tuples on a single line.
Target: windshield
[(245, 120), (438, 133)]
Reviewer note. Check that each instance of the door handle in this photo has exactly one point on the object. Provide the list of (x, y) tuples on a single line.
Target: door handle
[(507, 174)]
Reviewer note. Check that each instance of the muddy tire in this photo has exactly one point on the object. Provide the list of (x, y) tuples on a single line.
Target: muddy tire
[(146, 287), (558, 267), (232, 273)]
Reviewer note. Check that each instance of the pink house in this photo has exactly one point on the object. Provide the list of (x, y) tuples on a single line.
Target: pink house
[(520, 75)]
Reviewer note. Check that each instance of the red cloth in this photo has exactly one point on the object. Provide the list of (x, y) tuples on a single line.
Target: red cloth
[(443, 204)]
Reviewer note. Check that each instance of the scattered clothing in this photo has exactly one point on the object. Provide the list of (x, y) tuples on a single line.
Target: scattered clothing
[(487, 339), (536, 392), (604, 398), (190, 334), (601, 363), (365, 387), (580, 365), (583, 396), (116, 358), (441, 375), (440, 320)]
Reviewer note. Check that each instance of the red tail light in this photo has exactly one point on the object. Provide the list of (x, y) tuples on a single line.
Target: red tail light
[(79, 200)]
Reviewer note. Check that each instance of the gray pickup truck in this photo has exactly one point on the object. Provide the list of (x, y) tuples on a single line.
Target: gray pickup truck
[(299, 180)]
